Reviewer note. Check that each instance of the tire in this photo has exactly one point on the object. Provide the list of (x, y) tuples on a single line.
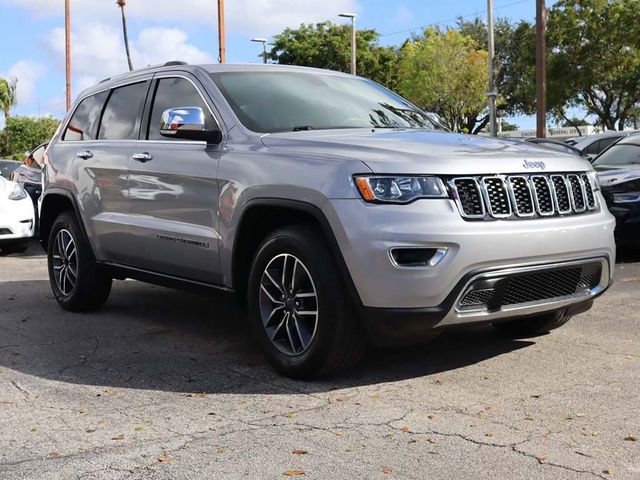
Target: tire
[(90, 288), (304, 345), (533, 326), (15, 247)]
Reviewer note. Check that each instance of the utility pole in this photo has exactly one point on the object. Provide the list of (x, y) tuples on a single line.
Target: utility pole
[(541, 69), (263, 41), (67, 52), (352, 16), (492, 86), (222, 49)]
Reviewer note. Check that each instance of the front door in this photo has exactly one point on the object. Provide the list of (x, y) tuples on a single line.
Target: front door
[(173, 192)]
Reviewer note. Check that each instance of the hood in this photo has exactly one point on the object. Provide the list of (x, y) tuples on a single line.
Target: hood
[(611, 175), (6, 187), (422, 151)]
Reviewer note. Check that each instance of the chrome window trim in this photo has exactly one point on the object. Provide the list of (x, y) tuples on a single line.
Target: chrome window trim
[(458, 202), (485, 193), (512, 195)]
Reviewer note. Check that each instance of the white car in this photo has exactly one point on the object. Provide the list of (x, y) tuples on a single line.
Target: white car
[(17, 218)]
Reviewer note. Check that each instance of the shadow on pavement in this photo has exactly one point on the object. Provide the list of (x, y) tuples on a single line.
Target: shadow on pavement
[(154, 338)]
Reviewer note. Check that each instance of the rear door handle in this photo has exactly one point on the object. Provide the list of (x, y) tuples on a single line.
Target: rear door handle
[(85, 155), (142, 157)]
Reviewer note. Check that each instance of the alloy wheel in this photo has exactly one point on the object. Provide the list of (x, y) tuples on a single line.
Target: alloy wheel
[(288, 304), (65, 262)]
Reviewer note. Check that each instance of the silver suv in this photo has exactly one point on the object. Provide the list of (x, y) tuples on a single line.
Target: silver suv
[(340, 212)]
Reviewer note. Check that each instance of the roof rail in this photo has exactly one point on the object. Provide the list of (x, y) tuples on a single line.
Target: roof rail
[(175, 62), (105, 80)]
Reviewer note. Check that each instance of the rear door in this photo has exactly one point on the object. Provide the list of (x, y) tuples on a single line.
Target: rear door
[(173, 190)]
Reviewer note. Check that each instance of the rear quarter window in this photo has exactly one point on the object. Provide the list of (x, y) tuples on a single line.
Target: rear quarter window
[(83, 125)]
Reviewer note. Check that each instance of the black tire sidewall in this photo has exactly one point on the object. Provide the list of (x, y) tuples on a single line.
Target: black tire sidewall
[(332, 303)]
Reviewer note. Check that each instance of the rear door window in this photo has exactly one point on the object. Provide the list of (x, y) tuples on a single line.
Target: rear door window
[(84, 121), (175, 93), (123, 113)]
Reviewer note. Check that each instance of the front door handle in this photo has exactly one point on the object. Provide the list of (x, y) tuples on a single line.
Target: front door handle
[(142, 157), (85, 155)]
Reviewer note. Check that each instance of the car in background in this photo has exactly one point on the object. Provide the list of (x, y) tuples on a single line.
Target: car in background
[(17, 217), (594, 145), (29, 173), (556, 145), (7, 167), (619, 173)]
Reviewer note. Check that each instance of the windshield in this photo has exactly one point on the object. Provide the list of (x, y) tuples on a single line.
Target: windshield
[(272, 102), (620, 154)]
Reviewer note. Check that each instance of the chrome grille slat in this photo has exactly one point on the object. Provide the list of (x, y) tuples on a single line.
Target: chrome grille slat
[(486, 197)]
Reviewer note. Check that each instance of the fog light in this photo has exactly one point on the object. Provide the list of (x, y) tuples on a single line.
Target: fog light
[(417, 257)]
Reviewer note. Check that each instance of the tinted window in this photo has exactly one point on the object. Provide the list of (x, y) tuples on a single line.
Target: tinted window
[(292, 101), (620, 154), (605, 142), (121, 117), (594, 148), (84, 122), (175, 93)]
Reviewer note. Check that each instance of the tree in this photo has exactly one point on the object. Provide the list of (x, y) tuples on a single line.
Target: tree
[(595, 51), (24, 133), (8, 98), (446, 73), (327, 45), (122, 4), (509, 127)]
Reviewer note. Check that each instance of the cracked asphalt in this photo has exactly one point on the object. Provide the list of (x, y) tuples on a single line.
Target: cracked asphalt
[(165, 385)]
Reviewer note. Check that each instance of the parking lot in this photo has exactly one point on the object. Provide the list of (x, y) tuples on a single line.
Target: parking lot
[(165, 384)]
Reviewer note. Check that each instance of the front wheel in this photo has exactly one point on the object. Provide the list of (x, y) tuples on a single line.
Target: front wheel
[(533, 326), (298, 308), (78, 282)]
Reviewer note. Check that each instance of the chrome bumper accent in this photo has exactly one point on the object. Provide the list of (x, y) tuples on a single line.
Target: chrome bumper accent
[(459, 316)]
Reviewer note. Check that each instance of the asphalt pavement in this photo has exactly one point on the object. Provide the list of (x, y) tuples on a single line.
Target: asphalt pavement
[(163, 384)]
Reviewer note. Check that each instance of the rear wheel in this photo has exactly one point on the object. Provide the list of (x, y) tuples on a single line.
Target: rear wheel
[(77, 281), (299, 311), (533, 326)]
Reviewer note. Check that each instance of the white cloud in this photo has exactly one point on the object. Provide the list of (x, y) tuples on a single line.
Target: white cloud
[(28, 73), (101, 52), (253, 17)]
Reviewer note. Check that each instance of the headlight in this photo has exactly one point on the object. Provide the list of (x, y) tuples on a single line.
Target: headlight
[(629, 197), (595, 180), (399, 189), (18, 193)]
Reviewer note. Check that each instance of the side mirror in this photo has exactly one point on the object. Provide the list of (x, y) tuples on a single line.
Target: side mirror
[(187, 123)]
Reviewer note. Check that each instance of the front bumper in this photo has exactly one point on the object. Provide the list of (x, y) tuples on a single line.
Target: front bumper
[(17, 222), (367, 232)]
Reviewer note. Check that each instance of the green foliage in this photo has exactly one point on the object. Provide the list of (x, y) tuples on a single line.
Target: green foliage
[(595, 51), (327, 45), (8, 98), (575, 122), (509, 127), (445, 73), (23, 133)]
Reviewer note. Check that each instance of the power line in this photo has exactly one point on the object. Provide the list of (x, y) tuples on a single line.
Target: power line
[(435, 24)]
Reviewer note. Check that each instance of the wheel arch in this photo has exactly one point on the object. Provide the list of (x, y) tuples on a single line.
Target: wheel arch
[(262, 216), (54, 202)]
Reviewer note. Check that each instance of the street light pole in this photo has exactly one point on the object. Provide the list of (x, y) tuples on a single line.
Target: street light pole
[(352, 16), (263, 41), (67, 52), (492, 86), (541, 69), (222, 49)]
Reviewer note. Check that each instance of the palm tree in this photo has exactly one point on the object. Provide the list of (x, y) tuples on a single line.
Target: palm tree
[(121, 4), (8, 96)]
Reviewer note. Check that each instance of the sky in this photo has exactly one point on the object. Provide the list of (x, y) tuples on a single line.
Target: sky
[(160, 30)]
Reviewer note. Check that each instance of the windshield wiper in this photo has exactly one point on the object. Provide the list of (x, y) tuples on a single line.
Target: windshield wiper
[(302, 128)]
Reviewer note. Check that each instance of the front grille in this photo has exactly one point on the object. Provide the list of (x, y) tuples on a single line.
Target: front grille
[(497, 291), (523, 196)]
